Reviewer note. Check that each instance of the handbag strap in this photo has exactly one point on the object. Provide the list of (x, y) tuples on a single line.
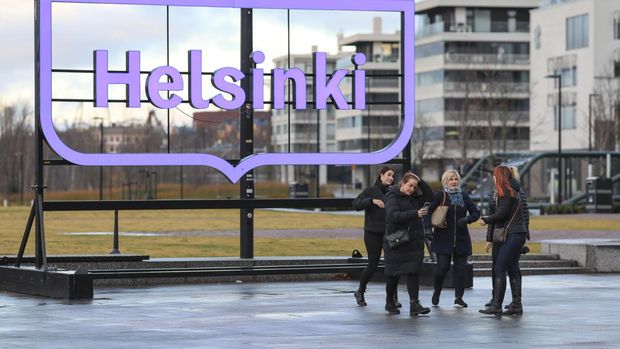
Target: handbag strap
[(517, 210), (443, 200)]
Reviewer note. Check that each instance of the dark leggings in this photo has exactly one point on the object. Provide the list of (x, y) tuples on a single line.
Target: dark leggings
[(442, 268), (374, 246), (413, 286)]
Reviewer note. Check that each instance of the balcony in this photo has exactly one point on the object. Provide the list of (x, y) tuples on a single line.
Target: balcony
[(499, 88), (510, 117), (490, 59), (478, 27)]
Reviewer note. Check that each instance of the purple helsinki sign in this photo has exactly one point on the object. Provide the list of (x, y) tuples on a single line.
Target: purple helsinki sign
[(323, 89)]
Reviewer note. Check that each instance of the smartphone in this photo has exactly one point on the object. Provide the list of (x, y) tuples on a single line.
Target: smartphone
[(427, 205)]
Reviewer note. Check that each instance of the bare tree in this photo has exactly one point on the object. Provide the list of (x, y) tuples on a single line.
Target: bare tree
[(421, 142), (15, 121), (605, 123)]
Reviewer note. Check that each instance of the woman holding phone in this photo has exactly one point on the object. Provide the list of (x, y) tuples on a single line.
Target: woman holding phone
[(452, 242)]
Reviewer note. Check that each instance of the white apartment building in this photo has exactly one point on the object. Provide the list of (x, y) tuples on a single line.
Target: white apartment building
[(375, 127), (302, 136), (472, 80), (578, 40)]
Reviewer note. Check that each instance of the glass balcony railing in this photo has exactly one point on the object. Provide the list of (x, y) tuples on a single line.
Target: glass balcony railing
[(492, 87), (476, 27), (479, 58)]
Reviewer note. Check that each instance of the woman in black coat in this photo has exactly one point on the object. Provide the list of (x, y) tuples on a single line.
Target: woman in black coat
[(372, 201), (513, 219), (404, 210), (452, 242), (514, 274)]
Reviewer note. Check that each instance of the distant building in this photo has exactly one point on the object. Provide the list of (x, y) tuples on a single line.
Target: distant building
[(472, 80), (220, 131), (374, 128), (310, 130), (580, 41)]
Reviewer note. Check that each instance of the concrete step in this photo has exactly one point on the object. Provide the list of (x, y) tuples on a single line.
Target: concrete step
[(557, 263), (540, 271), (525, 257)]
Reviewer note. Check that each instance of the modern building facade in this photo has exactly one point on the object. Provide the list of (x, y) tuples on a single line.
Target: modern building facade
[(375, 127), (310, 130), (472, 80), (578, 40)]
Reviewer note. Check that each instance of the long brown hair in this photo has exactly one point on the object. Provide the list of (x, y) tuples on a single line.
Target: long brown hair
[(502, 176)]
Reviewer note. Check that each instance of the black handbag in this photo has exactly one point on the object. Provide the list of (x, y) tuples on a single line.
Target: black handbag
[(398, 237)]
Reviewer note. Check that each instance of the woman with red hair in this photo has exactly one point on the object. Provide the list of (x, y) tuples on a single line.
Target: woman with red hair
[(509, 217)]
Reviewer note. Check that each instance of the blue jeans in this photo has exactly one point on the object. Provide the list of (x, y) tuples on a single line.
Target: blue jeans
[(508, 255)]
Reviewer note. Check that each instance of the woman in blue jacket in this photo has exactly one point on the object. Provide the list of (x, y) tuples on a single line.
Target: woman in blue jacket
[(452, 242)]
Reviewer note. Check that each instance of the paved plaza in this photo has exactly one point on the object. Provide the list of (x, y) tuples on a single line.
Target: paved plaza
[(560, 311)]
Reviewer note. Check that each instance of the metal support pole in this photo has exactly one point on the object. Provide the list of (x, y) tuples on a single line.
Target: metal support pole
[(115, 239), (558, 77), (40, 253), (407, 150), (246, 123)]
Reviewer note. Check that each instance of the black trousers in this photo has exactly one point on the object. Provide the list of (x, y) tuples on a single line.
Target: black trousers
[(374, 246), (413, 286), (443, 267)]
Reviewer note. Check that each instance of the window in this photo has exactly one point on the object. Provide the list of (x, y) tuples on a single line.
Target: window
[(617, 26), (577, 32), (429, 78), (569, 76), (429, 105), (568, 117), (617, 69), (428, 50)]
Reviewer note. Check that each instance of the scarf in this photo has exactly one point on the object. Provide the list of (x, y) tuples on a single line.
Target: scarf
[(456, 196)]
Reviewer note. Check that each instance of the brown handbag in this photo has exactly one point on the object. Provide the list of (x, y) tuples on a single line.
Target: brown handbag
[(438, 218)]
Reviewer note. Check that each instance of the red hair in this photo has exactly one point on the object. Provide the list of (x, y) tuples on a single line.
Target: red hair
[(502, 174)]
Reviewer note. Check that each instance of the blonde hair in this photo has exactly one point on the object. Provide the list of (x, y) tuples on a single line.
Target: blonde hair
[(515, 173), (445, 177)]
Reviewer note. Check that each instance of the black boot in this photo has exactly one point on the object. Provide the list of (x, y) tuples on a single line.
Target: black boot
[(512, 291), (435, 298), (515, 308), (499, 287), (459, 301), (416, 308), (390, 306), (398, 305), (359, 297)]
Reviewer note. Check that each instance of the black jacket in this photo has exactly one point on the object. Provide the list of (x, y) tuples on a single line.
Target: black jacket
[(401, 211), (501, 211), (454, 239), (374, 218)]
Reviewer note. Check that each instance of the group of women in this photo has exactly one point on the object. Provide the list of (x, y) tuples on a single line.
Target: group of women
[(392, 208)]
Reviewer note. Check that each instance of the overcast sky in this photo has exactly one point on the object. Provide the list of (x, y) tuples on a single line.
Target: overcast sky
[(78, 29)]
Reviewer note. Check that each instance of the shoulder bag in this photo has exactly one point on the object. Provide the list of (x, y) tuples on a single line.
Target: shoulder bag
[(438, 218), (500, 234), (398, 237)]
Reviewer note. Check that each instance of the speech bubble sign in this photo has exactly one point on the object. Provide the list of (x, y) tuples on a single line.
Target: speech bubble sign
[(234, 173)]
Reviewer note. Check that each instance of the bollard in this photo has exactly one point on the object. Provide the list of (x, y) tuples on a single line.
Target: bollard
[(5, 202)]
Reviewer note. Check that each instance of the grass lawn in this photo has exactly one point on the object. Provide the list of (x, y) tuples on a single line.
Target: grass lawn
[(13, 220)]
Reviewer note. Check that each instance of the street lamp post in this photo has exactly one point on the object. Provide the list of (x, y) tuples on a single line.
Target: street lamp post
[(590, 119), (560, 174)]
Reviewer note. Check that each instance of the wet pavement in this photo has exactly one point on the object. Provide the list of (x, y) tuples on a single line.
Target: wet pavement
[(560, 311)]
